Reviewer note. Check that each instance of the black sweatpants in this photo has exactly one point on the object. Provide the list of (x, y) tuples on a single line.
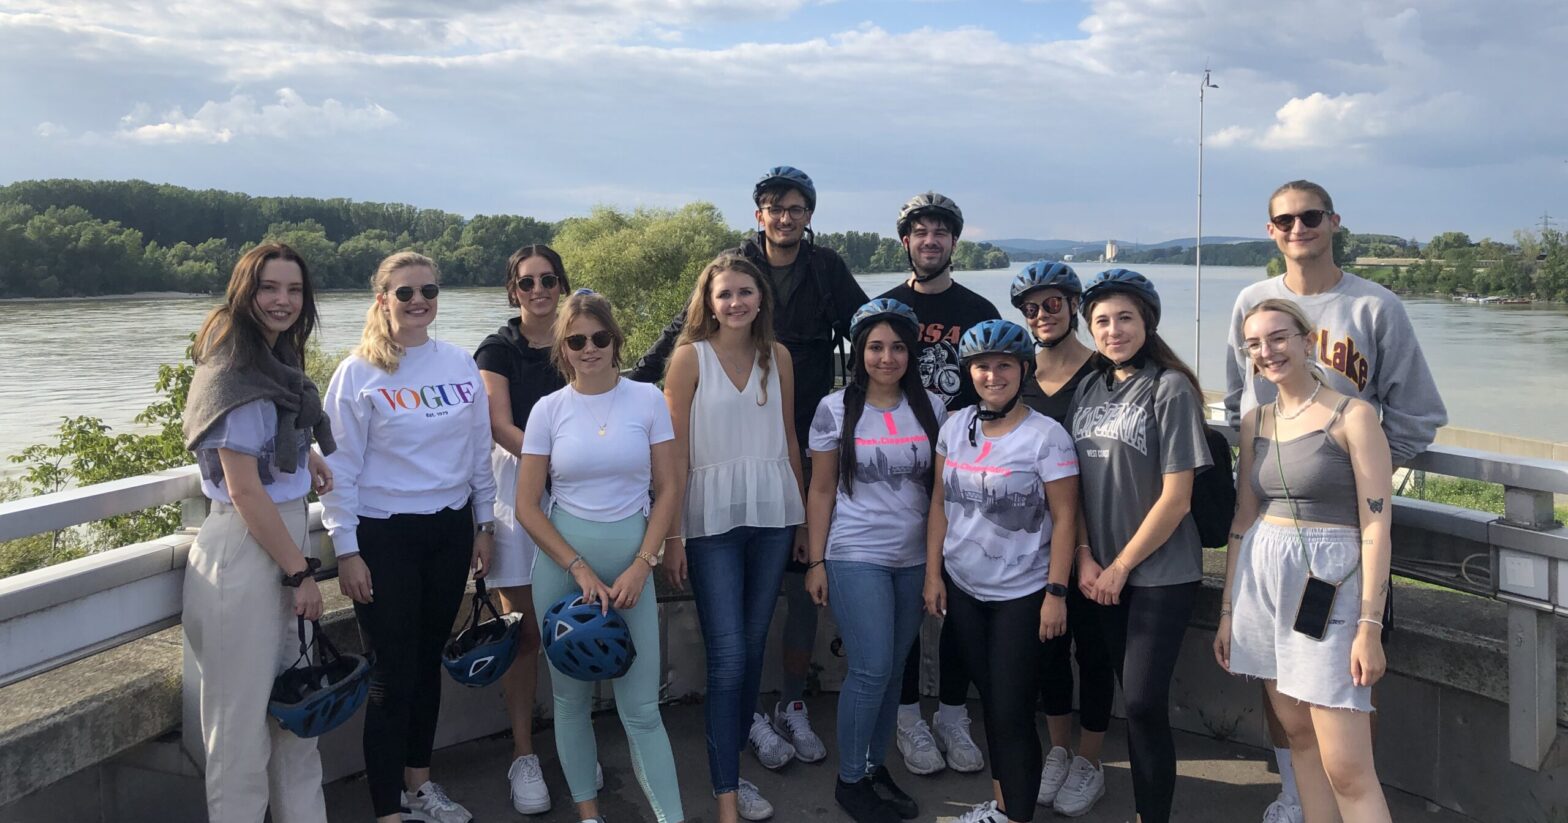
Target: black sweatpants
[(1096, 678), (418, 569), (952, 681), (992, 637), (1144, 634)]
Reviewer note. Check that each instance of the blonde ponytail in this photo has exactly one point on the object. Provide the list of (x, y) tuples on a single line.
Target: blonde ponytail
[(376, 345)]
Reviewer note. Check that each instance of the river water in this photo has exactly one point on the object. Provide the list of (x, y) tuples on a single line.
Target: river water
[(1500, 368)]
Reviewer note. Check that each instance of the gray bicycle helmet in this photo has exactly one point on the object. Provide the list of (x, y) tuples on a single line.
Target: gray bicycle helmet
[(995, 337), (1045, 274), (788, 176), (930, 204), (882, 308)]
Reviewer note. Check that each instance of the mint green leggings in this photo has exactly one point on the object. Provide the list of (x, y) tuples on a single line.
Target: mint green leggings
[(609, 548)]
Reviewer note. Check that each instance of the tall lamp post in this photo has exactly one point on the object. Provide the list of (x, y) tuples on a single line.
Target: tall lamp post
[(1197, 291)]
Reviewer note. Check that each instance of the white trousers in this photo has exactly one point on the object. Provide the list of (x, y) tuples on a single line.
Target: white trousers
[(240, 631)]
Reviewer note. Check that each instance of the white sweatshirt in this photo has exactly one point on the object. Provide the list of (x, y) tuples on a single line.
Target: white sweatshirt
[(412, 442)]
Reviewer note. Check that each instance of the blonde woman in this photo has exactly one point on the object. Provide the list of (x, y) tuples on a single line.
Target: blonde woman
[(731, 393), (1306, 575), (603, 442), (413, 510)]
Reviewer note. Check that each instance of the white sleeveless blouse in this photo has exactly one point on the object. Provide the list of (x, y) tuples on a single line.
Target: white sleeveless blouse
[(740, 473)]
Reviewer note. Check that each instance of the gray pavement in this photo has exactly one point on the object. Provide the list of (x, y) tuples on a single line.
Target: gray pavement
[(1218, 780)]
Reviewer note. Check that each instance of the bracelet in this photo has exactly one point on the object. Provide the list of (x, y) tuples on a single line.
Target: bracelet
[(1225, 612), (1375, 622), (813, 564), (573, 564), (1085, 546), (653, 562), (673, 537)]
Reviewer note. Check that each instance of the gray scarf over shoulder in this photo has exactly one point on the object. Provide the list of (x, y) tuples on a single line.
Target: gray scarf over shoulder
[(225, 381)]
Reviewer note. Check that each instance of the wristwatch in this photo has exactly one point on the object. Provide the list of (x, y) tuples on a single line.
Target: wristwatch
[(292, 581), (1056, 589), (487, 527)]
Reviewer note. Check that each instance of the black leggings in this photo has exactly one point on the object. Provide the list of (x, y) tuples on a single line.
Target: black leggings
[(953, 680), (1096, 677), (418, 569), (991, 637), (1144, 634)]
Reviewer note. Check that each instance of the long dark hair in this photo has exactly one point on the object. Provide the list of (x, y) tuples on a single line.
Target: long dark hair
[(855, 401), (237, 323), (1154, 347), (557, 268)]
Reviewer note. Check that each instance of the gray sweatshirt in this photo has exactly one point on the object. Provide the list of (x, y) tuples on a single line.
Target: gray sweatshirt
[(1367, 349)]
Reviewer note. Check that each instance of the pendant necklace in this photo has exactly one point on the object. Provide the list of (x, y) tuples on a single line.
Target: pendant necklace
[(605, 422), (1303, 407)]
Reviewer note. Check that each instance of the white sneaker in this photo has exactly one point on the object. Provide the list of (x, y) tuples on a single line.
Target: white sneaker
[(791, 721), (952, 737), (984, 813), (429, 804), (1283, 811), (1053, 775), (772, 750), (529, 794), (1084, 787), (918, 747), (749, 801)]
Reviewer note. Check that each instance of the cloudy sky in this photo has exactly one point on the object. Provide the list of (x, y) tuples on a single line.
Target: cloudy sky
[(1054, 118)]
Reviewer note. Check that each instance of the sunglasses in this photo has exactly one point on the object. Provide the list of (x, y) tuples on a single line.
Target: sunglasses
[(601, 340), (406, 293), (1310, 218), (1051, 305), (526, 282)]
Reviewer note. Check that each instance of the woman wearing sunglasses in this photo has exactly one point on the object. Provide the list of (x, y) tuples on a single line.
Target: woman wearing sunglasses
[(1138, 426), (1307, 570), (413, 510), (603, 442), (515, 365), (1048, 293), (249, 419), (731, 393)]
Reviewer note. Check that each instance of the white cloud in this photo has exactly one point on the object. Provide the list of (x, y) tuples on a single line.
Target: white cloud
[(240, 116), (47, 130)]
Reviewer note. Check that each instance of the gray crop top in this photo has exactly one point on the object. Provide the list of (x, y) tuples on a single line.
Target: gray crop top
[(1322, 482)]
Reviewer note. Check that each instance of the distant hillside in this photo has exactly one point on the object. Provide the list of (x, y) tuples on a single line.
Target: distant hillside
[(1029, 249)]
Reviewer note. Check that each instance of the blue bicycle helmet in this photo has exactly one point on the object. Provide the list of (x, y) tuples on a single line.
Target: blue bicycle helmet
[(481, 653), (1045, 274), (930, 204), (789, 176), (882, 308), (586, 643), (311, 700), (996, 337), (1121, 281)]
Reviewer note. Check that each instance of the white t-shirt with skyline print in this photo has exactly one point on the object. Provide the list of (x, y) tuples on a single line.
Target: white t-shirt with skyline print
[(883, 520), (998, 544)]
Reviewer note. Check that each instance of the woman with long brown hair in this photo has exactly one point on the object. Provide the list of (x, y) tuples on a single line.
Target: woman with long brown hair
[(249, 418), (730, 389)]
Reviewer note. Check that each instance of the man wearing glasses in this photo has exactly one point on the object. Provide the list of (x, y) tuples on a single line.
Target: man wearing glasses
[(814, 297), (1366, 347)]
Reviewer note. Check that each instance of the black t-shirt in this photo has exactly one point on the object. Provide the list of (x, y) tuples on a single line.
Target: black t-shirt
[(529, 373), (944, 317), (1056, 406)]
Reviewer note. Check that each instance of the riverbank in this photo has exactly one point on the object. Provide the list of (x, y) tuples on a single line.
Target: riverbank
[(99, 298)]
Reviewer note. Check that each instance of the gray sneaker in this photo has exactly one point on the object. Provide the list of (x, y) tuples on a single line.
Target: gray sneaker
[(750, 803), (1084, 787), (772, 750), (429, 804), (1053, 775), (918, 747), (793, 723), (954, 741)]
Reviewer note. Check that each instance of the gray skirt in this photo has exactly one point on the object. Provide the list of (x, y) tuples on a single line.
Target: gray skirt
[(1270, 575)]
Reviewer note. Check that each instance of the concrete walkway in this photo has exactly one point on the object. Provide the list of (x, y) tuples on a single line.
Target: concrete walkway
[(1218, 781)]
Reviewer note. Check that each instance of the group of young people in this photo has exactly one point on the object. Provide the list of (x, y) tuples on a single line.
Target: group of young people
[(1032, 491)]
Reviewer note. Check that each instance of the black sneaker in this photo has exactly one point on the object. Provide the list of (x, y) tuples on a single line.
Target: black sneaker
[(889, 792), (859, 800)]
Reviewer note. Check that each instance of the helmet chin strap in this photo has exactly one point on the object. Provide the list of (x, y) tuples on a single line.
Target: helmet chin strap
[(915, 270), (1137, 361), (984, 414), (1072, 326)]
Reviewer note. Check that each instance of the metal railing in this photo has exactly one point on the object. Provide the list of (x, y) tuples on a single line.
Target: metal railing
[(53, 616)]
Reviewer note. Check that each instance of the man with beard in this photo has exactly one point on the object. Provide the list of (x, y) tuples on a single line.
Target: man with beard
[(929, 226), (814, 298)]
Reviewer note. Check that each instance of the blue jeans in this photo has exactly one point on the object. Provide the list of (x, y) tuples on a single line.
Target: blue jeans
[(735, 578), (878, 610)]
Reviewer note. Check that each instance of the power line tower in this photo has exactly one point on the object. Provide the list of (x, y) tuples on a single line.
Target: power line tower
[(1546, 222)]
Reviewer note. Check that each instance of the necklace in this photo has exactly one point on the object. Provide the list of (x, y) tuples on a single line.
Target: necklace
[(1303, 407), (739, 369), (603, 423)]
